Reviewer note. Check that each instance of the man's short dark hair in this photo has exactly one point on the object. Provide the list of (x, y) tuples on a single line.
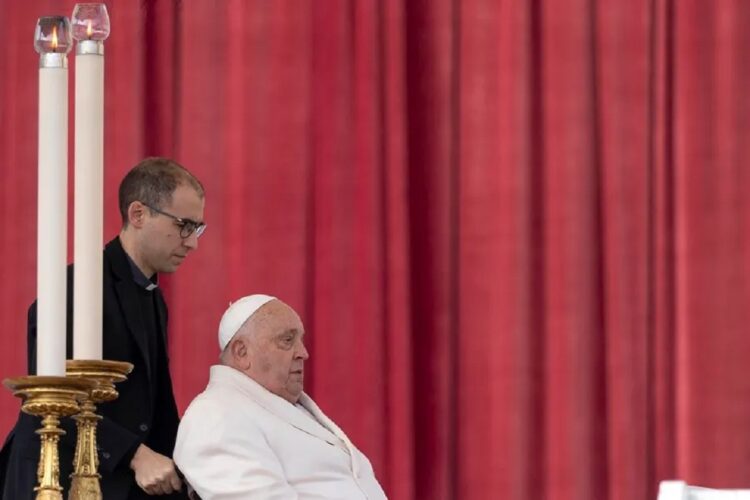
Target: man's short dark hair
[(152, 182)]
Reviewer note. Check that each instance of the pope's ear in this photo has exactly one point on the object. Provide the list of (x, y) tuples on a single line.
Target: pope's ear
[(239, 352), (137, 214)]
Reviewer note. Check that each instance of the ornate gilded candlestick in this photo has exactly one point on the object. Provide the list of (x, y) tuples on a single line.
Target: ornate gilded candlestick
[(49, 397), (103, 375)]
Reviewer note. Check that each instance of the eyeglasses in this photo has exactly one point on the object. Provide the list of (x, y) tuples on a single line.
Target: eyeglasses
[(187, 226)]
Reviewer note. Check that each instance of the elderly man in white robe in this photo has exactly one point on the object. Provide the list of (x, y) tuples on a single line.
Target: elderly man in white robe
[(253, 433)]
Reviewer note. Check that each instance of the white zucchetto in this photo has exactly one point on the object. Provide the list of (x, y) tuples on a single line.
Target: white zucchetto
[(236, 315)]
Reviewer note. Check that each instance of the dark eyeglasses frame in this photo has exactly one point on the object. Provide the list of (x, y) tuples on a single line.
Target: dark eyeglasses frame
[(187, 226)]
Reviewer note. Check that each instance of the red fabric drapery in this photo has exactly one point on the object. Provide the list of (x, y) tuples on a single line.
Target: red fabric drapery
[(516, 231)]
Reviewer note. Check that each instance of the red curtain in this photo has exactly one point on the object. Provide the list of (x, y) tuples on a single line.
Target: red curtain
[(516, 230)]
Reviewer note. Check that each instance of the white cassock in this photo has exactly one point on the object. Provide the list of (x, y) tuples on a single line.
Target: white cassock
[(238, 440)]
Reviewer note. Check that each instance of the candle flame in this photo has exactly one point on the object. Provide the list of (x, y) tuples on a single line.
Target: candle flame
[(89, 29), (54, 38)]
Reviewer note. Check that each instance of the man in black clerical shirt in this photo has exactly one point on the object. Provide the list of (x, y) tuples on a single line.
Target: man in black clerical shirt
[(161, 205)]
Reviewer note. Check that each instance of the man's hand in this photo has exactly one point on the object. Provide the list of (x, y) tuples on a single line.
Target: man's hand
[(154, 473)]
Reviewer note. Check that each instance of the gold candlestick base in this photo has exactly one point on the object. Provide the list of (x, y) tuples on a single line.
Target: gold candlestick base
[(104, 375), (50, 398)]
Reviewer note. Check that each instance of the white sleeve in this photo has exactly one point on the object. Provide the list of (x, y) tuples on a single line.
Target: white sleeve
[(222, 463)]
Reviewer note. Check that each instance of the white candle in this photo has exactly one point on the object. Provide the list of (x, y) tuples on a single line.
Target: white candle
[(52, 41), (90, 25)]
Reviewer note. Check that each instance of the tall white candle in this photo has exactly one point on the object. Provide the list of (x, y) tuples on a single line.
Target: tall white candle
[(52, 41), (90, 27)]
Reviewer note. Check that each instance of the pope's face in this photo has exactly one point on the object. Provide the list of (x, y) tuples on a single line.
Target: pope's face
[(277, 351)]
